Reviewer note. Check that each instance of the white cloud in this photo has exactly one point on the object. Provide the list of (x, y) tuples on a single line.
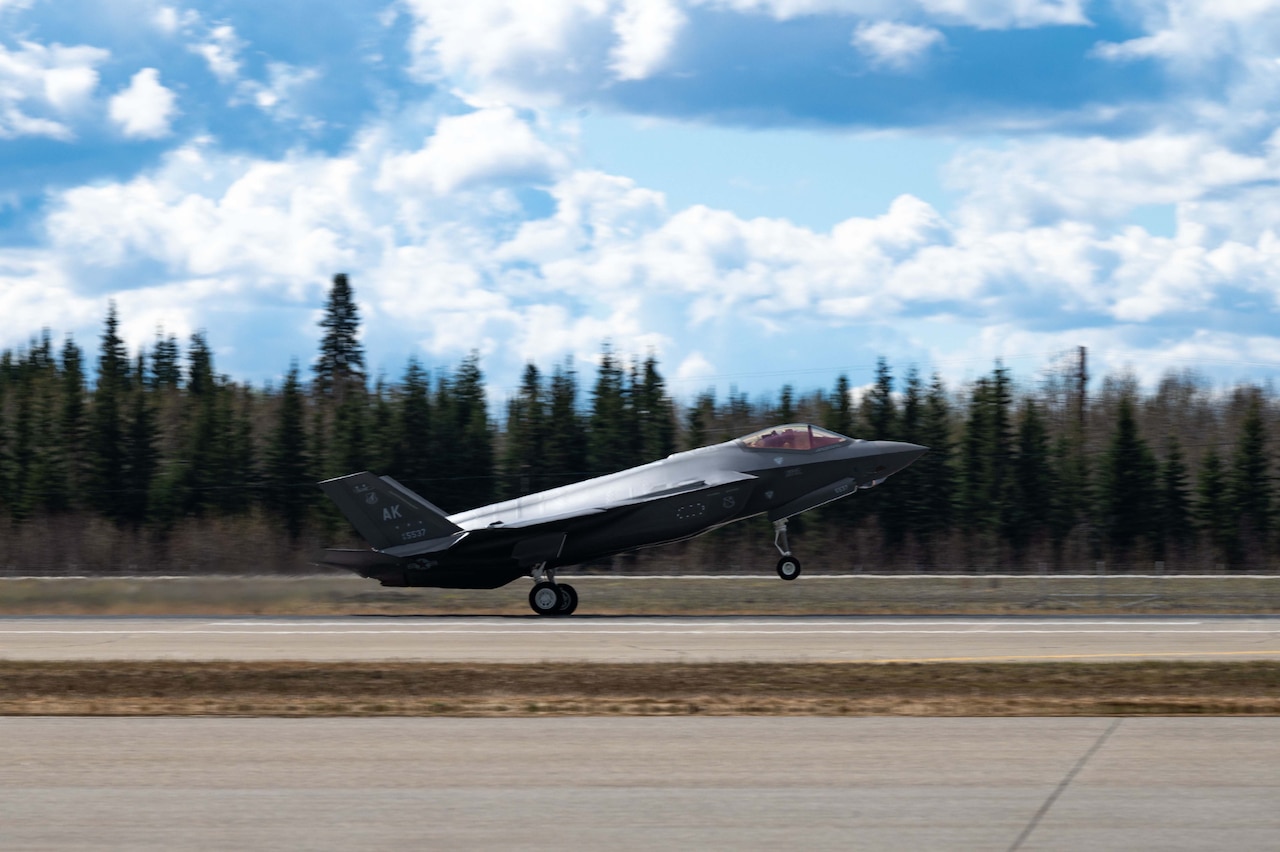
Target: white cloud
[(896, 46), (143, 110), (1094, 179), (646, 31), (221, 52), (284, 82), (446, 264), (485, 146), (986, 14), (41, 87)]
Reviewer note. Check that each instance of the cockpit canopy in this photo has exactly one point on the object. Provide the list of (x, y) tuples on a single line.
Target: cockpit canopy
[(793, 436)]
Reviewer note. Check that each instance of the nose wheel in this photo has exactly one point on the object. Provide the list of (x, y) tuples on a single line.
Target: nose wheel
[(788, 565)]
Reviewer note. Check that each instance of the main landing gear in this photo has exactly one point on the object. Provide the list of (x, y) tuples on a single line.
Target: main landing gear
[(788, 565), (547, 597)]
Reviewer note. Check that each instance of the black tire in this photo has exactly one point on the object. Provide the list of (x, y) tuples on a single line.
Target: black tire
[(788, 567), (568, 599), (545, 598)]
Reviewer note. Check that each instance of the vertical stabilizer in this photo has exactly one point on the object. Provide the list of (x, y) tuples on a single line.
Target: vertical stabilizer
[(385, 513)]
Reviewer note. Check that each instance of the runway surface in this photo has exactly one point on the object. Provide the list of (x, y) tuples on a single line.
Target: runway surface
[(640, 783), (649, 639)]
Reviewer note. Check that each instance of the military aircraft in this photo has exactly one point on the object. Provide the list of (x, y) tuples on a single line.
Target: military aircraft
[(778, 472)]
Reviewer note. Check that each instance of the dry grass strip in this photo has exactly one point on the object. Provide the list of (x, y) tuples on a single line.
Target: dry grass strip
[(639, 689)]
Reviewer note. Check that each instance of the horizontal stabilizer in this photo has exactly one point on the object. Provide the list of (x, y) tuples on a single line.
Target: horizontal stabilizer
[(385, 513)]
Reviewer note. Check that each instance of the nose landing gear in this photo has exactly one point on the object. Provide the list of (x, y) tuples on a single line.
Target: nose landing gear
[(788, 565)]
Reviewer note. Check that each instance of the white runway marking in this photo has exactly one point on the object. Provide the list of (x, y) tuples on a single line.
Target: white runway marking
[(638, 640)]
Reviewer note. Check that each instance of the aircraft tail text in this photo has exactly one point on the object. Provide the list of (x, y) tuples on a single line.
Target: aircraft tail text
[(388, 515)]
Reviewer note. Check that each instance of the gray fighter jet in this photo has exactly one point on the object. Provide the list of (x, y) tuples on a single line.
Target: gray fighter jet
[(778, 472)]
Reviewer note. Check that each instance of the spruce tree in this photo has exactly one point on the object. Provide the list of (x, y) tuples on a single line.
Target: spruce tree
[(1176, 530), (1128, 485), (608, 448), (140, 461), (566, 435), (473, 435), (1027, 508), (654, 414), (1249, 483), (523, 454), (106, 434), (341, 360), (412, 462), (935, 477), (72, 422), (288, 483), (841, 408), (1213, 512)]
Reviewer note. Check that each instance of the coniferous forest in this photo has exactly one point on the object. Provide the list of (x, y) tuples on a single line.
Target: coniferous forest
[(158, 463)]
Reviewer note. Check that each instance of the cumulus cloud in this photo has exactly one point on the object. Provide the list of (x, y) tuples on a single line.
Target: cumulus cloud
[(895, 46), (1095, 179), (975, 13), (143, 109), (485, 146), (41, 87), (646, 32)]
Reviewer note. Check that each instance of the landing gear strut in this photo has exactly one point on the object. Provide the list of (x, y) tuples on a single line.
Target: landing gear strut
[(547, 597), (788, 565)]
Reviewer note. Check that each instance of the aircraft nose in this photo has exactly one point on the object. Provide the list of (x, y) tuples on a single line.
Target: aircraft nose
[(899, 454)]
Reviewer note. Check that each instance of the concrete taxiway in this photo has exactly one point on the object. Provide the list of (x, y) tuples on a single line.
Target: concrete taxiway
[(640, 783), (650, 639)]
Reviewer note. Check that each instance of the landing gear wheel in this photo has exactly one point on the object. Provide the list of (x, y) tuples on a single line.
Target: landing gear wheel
[(568, 599), (788, 567), (545, 598)]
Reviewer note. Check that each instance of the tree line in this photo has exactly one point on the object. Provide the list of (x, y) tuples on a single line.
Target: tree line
[(162, 463)]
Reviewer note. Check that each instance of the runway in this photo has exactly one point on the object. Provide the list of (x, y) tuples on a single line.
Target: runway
[(643, 639), (640, 783)]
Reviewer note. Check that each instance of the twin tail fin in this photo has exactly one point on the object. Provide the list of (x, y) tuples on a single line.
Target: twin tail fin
[(385, 513)]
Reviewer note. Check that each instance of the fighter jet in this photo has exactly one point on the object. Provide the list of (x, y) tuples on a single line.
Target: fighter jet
[(778, 472)]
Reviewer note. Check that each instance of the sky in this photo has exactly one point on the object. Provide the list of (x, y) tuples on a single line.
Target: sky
[(755, 192)]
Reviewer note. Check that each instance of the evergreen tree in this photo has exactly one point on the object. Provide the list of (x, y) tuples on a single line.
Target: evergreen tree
[(523, 454), (841, 408), (1249, 483), (698, 420), (139, 462), (786, 405), (1128, 485), (654, 414), (935, 477), (899, 507), (1213, 508), (566, 440), (341, 361), (1028, 505), (288, 483), (166, 366), (106, 433), (412, 460), (608, 447), (73, 423), (1174, 503), (878, 411)]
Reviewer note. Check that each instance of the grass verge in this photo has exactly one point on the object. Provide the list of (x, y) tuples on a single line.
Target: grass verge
[(611, 595), (643, 689)]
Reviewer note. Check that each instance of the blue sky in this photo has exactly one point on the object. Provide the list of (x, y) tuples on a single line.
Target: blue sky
[(758, 192)]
